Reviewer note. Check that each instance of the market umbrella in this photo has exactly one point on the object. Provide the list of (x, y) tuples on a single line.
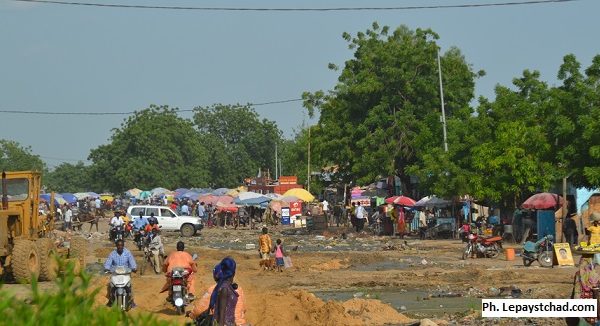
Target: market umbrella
[(156, 192), (70, 198), (189, 194), (273, 195), (208, 199), (220, 191), (226, 207), (437, 202), (93, 194), (390, 200), (224, 200), (251, 201), (544, 200), (300, 193), (107, 197), (404, 201), (422, 201), (248, 195), (289, 199), (144, 195), (134, 192), (81, 195)]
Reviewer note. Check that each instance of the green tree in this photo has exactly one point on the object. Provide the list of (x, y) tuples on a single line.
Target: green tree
[(69, 177), (14, 157), (240, 142), (154, 147), (385, 108)]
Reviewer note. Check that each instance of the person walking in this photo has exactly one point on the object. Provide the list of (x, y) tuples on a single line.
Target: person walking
[(68, 224), (265, 244), (361, 215), (570, 229), (279, 254)]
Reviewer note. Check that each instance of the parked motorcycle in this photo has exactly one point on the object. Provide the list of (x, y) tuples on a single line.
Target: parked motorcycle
[(120, 282), (541, 250), (482, 247)]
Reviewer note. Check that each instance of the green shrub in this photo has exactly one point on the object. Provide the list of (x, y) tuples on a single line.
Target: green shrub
[(71, 303)]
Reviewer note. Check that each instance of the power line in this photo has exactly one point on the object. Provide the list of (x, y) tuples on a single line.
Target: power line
[(479, 5), (130, 112)]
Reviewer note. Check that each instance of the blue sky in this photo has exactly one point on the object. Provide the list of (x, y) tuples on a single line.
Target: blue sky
[(89, 59)]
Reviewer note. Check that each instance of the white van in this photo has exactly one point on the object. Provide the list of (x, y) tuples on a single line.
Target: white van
[(167, 219)]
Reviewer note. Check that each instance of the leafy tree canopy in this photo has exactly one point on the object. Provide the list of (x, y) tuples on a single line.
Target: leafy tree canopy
[(154, 147), (15, 157)]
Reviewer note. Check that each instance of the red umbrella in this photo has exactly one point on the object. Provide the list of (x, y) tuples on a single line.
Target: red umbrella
[(544, 200), (404, 201), (390, 200)]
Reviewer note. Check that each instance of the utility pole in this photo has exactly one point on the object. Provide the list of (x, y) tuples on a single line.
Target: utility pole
[(308, 167), (276, 178), (442, 100)]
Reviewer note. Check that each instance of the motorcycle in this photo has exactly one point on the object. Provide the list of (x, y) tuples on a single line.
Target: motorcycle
[(120, 293), (128, 230), (139, 239), (540, 250), (482, 247), (116, 233), (151, 257), (179, 295)]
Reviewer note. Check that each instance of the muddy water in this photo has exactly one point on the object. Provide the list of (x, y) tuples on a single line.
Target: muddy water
[(409, 302)]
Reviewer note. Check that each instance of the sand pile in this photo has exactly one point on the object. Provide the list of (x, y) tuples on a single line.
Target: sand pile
[(304, 308), (331, 265)]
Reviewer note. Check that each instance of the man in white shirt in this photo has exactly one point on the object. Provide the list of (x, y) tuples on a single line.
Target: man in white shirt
[(117, 220), (361, 215), (68, 218), (97, 202)]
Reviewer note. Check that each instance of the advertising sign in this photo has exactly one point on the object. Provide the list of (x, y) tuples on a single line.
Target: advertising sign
[(285, 215), (295, 208)]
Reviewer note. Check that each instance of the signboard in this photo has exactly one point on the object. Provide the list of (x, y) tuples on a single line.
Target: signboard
[(364, 201), (295, 208), (563, 254), (285, 215)]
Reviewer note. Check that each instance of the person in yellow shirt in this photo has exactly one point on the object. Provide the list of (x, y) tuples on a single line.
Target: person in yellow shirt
[(593, 230), (265, 244)]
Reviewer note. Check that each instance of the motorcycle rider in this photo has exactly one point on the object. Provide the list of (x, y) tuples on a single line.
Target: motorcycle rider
[(180, 259), (119, 257), (115, 222), (138, 225)]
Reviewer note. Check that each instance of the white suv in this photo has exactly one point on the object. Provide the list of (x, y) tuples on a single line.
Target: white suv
[(167, 219)]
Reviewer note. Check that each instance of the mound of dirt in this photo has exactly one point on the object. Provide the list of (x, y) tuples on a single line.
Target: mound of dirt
[(304, 308), (331, 265)]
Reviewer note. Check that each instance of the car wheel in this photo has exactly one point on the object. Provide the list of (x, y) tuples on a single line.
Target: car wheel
[(187, 230)]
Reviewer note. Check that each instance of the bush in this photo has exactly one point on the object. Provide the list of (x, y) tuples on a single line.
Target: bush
[(72, 303)]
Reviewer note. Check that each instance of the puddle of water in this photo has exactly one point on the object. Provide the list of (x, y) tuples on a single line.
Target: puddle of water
[(411, 301)]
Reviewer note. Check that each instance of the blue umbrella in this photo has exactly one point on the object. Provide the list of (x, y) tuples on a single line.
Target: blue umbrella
[(70, 198), (93, 194), (252, 201), (190, 195), (220, 191)]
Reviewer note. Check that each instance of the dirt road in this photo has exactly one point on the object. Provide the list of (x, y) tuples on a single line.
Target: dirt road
[(352, 281)]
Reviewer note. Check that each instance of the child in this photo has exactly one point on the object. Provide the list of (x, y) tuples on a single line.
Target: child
[(264, 244), (279, 253)]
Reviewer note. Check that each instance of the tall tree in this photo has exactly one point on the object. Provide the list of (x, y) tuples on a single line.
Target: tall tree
[(15, 157), (69, 177), (240, 141), (385, 107), (154, 147)]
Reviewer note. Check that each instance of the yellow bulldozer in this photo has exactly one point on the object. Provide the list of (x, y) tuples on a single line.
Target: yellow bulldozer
[(27, 248)]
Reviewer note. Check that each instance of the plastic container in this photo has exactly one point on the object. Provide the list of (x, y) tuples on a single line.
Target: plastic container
[(510, 253)]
